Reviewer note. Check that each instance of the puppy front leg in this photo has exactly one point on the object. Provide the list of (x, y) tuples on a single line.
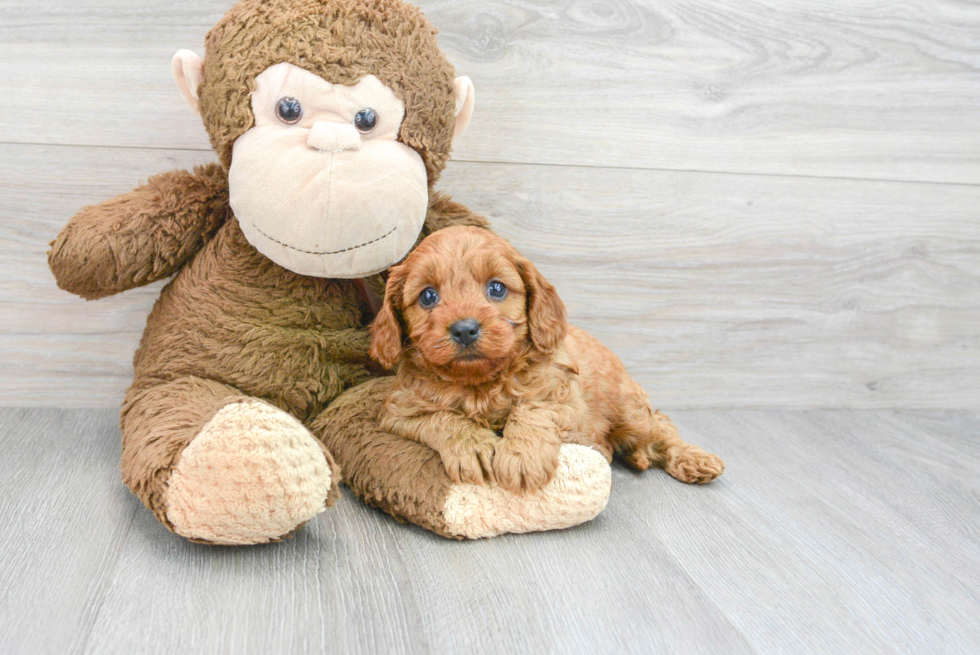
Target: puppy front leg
[(466, 448), (527, 457)]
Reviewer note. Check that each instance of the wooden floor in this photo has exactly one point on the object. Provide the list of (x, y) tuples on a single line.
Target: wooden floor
[(830, 532)]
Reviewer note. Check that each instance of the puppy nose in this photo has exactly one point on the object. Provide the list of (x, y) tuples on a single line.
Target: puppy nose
[(333, 137), (465, 332)]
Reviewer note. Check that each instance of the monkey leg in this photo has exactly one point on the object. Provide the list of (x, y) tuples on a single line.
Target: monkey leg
[(407, 479), (217, 466)]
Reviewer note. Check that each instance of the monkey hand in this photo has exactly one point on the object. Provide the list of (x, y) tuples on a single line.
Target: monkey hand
[(140, 236)]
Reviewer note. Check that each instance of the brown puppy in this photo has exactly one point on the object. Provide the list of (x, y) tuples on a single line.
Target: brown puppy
[(483, 350)]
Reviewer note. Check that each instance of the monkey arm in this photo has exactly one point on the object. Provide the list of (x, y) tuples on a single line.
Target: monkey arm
[(140, 236)]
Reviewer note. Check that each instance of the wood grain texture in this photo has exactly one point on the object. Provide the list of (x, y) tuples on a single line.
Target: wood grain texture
[(831, 531), (864, 521), (63, 517), (716, 290), (862, 88)]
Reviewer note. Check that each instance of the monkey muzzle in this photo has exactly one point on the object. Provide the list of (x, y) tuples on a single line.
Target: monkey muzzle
[(325, 202), (320, 183)]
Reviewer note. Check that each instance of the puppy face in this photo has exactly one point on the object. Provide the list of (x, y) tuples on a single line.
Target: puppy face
[(468, 304)]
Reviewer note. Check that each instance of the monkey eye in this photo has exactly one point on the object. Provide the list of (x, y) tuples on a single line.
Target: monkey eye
[(289, 110), (365, 120), (496, 290), (429, 298)]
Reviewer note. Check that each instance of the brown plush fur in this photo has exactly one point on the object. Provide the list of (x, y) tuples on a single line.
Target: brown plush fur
[(159, 421), (401, 477), (528, 376), (341, 41), (232, 324), (141, 236)]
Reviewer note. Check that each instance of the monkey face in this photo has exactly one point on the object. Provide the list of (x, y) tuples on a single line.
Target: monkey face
[(333, 118), (320, 184)]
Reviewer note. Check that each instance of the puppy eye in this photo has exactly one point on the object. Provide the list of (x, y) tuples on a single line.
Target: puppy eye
[(496, 290), (428, 298), (289, 110), (365, 120)]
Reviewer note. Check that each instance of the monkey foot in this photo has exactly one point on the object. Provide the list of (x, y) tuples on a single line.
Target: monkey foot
[(252, 475), (577, 493)]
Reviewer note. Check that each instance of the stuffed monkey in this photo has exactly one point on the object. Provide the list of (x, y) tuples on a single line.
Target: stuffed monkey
[(253, 389)]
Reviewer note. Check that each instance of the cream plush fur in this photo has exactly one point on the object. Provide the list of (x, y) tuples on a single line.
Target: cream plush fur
[(577, 493), (317, 197), (252, 474)]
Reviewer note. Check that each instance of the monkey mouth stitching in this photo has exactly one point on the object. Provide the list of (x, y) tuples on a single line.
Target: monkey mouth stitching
[(325, 252)]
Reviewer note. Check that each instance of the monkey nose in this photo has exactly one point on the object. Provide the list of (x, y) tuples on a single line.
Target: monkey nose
[(333, 137)]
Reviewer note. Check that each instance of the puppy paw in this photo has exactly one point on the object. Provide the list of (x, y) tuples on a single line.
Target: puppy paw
[(469, 459), (521, 465), (694, 466)]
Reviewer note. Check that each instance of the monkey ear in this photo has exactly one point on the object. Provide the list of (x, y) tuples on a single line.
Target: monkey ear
[(188, 71), (386, 331), (465, 98), (546, 319)]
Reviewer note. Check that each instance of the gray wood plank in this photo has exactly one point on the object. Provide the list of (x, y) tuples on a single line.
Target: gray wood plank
[(831, 531), (868, 89), (716, 290), (357, 582), (574, 591), (63, 518), (338, 586), (834, 531), (354, 581)]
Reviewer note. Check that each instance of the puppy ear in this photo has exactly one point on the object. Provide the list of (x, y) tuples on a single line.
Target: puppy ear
[(386, 331), (546, 318)]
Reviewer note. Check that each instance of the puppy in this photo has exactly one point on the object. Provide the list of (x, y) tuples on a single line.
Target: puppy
[(492, 377)]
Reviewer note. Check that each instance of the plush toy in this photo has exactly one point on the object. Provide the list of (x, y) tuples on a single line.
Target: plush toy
[(331, 120)]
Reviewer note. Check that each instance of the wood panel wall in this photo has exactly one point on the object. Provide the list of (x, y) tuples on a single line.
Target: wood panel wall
[(771, 203)]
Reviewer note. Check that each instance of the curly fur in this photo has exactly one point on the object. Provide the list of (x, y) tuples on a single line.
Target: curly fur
[(499, 409)]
